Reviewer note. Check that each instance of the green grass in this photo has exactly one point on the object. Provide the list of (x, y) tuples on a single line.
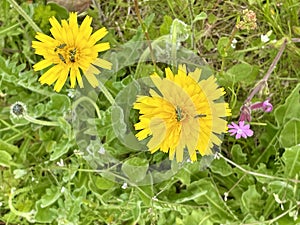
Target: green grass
[(51, 170)]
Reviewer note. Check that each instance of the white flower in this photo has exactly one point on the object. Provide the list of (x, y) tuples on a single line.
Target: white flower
[(101, 150), (124, 186), (264, 38), (225, 196), (233, 43), (60, 163)]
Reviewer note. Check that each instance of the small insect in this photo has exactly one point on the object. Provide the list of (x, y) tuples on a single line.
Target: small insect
[(200, 116), (72, 54), (61, 46), (61, 57), (178, 113)]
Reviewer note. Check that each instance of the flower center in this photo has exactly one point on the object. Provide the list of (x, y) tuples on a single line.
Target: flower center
[(65, 53), (239, 131), (180, 114), (72, 54)]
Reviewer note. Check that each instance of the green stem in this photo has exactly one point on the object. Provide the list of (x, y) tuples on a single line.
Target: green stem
[(84, 98), (40, 122), (257, 174), (28, 215), (137, 11), (106, 93), (25, 16)]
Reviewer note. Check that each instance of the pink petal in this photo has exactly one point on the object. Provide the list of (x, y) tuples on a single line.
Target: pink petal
[(238, 136), (249, 132), (233, 125)]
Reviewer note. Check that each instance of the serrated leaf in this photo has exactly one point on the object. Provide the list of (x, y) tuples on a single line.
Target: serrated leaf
[(166, 25), (44, 215), (251, 202), (290, 134), (58, 105), (60, 148), (220, 166), (291, 159), (237, 154), (51, 196)]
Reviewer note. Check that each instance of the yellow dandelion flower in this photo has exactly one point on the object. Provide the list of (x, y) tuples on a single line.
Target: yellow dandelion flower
[(72, 50), (182, 112)]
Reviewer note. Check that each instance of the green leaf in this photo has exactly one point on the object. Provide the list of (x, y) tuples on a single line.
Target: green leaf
[(290, 134), (166, 25), (44, 214), (58, 149), (62, 12), (103, 183), (268, 145), (8, 147), (237, 154), (201, 16), (282, 188), (19, 173), (251, 202), (291, 158), (243, 72), (135, 168), (220, 166), (52, 194), (5, 159), (180, 31), (222, 46), (290, 109), (217, 208), (58, 105), (65, 126)]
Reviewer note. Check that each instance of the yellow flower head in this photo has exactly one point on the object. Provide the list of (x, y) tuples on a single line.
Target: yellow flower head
[(183, 112), (72, 50)]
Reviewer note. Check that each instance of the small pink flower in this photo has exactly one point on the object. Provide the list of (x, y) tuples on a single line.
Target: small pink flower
[(240, 130), (267, 106)]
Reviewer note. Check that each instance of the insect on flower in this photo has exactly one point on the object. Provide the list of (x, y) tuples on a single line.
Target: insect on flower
[(61, 57), (61, 46), (72, 51), (173, 116), (72, 54)]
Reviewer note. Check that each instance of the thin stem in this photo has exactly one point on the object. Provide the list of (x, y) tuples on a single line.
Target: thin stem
[(257, 174), (25, 16), (41, 122), (84, 98), (28, 215), (137, 11), (263, 81), (106, 93), (296, 40)]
